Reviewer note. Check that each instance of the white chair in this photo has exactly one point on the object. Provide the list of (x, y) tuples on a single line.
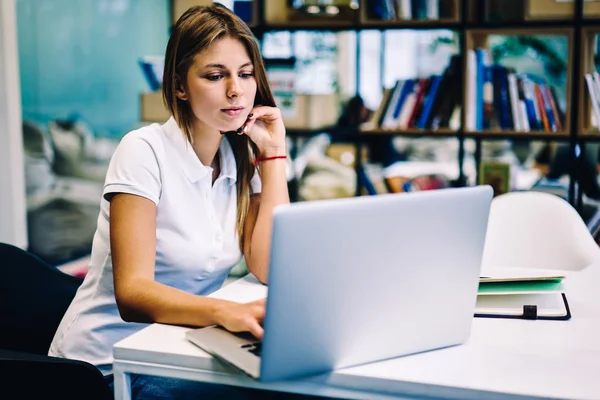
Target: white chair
[(537, 230)]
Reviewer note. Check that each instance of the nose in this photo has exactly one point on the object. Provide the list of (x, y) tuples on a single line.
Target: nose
[(234, 89)]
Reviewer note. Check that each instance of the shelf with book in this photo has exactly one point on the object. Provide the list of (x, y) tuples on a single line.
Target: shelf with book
[(409, 13), (423, 105), (509, 91), (589, 83)]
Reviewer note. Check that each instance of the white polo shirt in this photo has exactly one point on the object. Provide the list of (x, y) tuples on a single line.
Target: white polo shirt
[(196, 236)]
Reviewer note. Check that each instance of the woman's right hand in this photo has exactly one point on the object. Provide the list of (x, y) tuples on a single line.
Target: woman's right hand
[(243, 317)]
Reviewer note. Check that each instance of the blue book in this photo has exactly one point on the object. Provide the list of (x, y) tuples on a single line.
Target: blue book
[(150, 75), (428, 102), (366, 182), (480, 80), (501, 97)]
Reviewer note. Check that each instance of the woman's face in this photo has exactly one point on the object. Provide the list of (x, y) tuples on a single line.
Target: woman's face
[(221, 86)]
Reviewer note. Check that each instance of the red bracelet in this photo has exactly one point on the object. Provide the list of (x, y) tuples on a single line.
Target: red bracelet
[(260, 159)]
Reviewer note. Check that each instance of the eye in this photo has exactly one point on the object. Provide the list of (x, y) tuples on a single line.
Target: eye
[(214, 77), (247, 75)]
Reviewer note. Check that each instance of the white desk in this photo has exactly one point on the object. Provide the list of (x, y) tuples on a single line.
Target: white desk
[(503, 358)]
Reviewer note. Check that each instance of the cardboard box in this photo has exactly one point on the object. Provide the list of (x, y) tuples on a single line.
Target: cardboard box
[(152, 107), (345, 153), (313, 111), (181, 6), (557, 9), (276, 11)]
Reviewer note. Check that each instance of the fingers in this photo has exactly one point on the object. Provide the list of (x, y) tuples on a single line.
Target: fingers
[(257, 316), (256, 330), (247, 126), (265, 113), (258, 310)]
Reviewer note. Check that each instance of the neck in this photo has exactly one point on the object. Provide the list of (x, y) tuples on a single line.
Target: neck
[(206, 142)]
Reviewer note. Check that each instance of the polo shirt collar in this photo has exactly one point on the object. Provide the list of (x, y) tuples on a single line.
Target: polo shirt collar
[(191, 164), (228, 164)]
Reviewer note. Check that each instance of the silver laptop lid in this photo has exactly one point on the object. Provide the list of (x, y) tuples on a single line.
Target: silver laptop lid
[(369, 278)]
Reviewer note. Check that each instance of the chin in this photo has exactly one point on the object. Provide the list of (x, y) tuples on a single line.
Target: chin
[(231, 125)]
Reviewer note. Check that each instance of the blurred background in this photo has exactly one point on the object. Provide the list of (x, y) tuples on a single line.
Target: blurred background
[(378, 96)]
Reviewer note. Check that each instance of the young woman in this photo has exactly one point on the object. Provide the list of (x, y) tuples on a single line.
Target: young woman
[(184, 201)]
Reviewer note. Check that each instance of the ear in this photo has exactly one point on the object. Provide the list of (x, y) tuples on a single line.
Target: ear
[(180, 91)]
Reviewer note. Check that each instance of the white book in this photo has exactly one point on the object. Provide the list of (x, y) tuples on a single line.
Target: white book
[(471, 117), (596, 79), (547, 305), (407, 108), (389, 122), (404, 9), (513, 92), (523, 116), (433, 9), (589, 80)]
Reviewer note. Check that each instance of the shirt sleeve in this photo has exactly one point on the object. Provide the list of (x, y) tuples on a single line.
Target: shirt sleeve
[(255, 183), (133, 169)]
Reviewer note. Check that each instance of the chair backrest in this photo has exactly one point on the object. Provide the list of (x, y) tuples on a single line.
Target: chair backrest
[(33, 299), (537, 230)]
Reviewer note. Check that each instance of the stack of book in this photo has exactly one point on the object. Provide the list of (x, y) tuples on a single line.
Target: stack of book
[(424, 103), (519, 293), (499, 98)]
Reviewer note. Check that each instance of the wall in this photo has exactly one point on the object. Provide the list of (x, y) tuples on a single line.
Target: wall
[(81, 58), (13, 227)]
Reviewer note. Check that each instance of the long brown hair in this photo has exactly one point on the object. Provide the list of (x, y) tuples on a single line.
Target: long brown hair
[(196, 30)]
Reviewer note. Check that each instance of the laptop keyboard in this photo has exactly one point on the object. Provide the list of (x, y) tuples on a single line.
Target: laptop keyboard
[(254, 348)]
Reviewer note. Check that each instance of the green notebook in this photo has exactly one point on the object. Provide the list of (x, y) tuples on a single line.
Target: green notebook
[(514, 287)]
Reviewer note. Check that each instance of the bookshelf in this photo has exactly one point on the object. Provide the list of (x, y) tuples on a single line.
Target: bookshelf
[(475, 22)]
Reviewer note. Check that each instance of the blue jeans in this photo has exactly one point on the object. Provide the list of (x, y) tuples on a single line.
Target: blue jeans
[(146, 387)]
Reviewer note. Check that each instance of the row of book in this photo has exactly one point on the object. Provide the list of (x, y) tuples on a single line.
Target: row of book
[(500, 98), (394, 10), (431, 102)]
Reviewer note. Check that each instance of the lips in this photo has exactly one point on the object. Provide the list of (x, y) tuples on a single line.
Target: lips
[(233, 111)]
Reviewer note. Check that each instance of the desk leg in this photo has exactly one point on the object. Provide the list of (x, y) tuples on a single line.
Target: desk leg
[(122, 384)]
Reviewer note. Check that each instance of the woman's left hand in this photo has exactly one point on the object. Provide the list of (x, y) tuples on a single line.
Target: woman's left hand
[(265, 128)]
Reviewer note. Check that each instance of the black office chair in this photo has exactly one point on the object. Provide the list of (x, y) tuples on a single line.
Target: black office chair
[(33, 299)]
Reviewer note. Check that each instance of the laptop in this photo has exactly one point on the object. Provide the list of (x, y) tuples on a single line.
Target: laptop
[(363, 279)]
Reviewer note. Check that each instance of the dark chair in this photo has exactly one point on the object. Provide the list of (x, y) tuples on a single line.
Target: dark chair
[(33, 298)]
